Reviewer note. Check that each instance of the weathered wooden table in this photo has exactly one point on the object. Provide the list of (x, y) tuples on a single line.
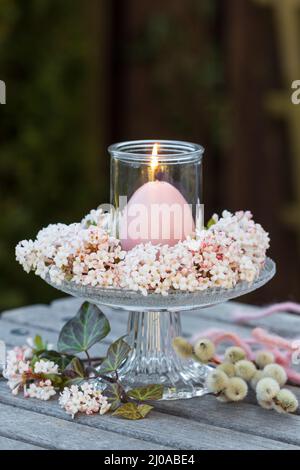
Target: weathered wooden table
[(198, 423)]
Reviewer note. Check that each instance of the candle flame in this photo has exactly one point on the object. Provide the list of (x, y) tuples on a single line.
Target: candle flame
[(154, 159)]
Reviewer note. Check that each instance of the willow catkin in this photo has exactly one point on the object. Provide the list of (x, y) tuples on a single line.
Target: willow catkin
[(236, 389), (234, 354)]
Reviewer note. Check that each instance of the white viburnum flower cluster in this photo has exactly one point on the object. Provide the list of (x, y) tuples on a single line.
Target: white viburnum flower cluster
[(82, 252), (83, 399), (98, 218), (17, 363), (42, 390), (45, 367), (21, 375), (233, 249)]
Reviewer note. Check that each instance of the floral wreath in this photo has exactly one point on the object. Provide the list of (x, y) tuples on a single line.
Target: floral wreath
[(230, 249)]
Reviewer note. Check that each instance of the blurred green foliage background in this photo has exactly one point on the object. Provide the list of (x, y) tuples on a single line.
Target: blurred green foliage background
[(83, 74), (47, 154), (44, 152)]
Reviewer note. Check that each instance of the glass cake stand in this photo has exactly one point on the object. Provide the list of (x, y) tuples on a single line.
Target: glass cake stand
[(153, 322)]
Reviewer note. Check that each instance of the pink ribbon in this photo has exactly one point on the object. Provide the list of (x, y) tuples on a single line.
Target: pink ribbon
[(282, 348)]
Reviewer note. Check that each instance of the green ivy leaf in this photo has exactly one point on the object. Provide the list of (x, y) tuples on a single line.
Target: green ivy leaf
[(80, 333), (145, 409), (57, 380), (62, 360), (78, 367), (89, 223), (116, 355), (150, 392), (210, 223), (38, 343), (132, 411), (68, 382), (113, 395)]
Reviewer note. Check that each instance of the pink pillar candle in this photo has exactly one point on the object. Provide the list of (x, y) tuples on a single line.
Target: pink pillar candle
[(158, 213)]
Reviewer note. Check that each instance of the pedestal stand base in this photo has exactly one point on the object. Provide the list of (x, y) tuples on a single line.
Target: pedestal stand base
[(153, 360)]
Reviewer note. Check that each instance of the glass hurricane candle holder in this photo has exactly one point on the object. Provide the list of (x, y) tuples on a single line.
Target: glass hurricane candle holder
[(155, 190), (160, 183)]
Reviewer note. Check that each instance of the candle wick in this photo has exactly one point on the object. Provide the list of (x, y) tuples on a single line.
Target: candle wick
[(159, 176)]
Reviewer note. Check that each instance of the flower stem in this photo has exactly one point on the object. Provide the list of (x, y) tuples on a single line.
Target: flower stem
[(88, 358)]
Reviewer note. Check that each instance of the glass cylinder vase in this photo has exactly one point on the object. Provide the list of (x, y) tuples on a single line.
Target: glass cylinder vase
[(156, 191)]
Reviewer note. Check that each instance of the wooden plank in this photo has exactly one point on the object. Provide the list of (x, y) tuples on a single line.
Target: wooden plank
[(182, 408), (10, 331), (19, 324), (54, 433), (285, 324), (53, 317), (59, 311), (12, 444), (16, 334), (213, 317), (192, 322), (162, 429), (244, 417), (218, 421), (48, 321)]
